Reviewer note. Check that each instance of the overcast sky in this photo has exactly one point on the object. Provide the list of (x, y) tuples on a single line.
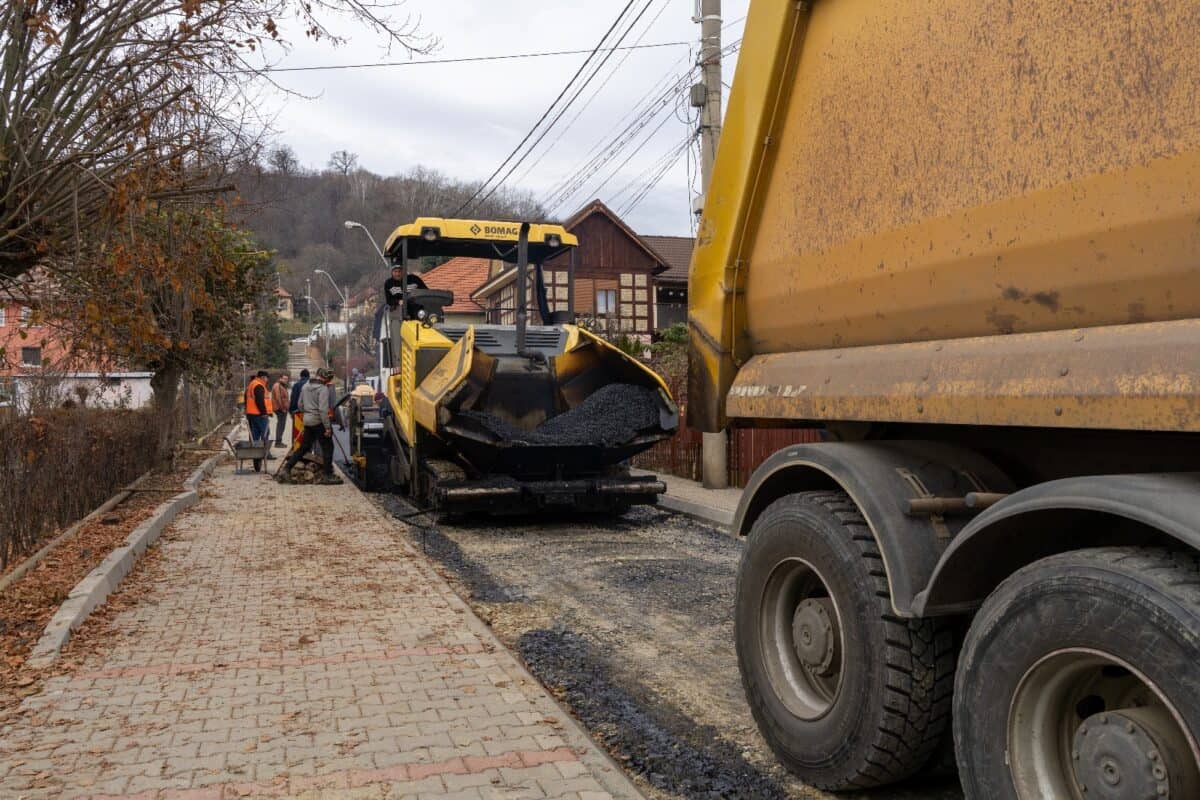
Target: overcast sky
[(463, 119)]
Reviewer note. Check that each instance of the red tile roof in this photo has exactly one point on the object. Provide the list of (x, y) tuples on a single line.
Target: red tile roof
[(461, 276)]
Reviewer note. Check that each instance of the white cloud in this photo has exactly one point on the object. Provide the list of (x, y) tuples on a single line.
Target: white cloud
[(463, 119)]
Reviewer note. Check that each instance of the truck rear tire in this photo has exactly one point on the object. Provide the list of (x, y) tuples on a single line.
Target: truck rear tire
[(1078, 679), (847, 695)]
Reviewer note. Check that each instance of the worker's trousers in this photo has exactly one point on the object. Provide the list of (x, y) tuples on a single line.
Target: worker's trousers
[(313, 435), (260, 427)]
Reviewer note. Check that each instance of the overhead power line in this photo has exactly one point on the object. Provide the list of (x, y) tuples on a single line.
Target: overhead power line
[(577, 179), (548, 110), (567, 106), (600, 90), (464, 60), (671, 159)]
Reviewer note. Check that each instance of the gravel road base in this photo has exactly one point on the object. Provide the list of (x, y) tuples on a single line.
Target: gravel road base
[(629, 623)]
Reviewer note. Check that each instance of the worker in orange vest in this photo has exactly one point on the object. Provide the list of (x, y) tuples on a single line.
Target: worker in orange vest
[(259, 409)]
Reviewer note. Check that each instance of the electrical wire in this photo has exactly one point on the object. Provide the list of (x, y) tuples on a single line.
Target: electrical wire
[(636, 201), (576, 181), (549, 109), (623, 164), (638, 108), (564, 194), (568, 104), (436, 61), (599, 91)]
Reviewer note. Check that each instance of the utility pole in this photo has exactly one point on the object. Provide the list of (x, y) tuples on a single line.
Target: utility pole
[(706, 95)]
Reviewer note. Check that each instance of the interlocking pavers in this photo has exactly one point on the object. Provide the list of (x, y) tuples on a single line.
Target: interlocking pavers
[(288, 643)]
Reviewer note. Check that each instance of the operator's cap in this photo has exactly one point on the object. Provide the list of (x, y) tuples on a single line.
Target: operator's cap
[(325, 373)]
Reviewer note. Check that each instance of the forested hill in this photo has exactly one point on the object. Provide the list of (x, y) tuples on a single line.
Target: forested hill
[(301, 214)]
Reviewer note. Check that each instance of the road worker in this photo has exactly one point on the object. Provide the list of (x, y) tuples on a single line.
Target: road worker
[(317, 408), (294, 409), (259, 408), (279, 402)]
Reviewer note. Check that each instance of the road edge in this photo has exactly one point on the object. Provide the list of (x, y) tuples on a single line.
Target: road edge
[(91, 592), (708, 514), (614, 779)]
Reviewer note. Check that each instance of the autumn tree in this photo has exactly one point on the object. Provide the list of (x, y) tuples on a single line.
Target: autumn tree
[(84, 86), (178, 298)]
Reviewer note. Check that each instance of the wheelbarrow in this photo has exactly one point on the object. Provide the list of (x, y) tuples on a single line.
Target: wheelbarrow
[(253, 451)]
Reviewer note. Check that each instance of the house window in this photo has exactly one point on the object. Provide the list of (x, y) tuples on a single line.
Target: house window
[(27, 317), (606, 301), (3, 316), (31, 356)]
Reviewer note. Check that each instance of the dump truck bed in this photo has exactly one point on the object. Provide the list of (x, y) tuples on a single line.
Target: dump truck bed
[(894, 177)]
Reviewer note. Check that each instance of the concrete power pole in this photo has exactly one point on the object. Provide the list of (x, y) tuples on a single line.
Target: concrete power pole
[(707, 96)]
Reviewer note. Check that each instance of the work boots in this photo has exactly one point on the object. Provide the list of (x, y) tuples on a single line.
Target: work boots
[(328, 480), (283, 476)]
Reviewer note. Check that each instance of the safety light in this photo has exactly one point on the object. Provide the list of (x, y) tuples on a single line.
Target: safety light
[(554, 240), (429, 234)]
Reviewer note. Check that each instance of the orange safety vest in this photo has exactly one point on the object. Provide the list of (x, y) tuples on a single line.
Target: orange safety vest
[(252, 408)]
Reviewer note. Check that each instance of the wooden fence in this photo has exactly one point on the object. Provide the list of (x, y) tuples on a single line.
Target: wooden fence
[(748, 448)]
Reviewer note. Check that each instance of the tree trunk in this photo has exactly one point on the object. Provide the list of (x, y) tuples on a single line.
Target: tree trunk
[(165, 384)]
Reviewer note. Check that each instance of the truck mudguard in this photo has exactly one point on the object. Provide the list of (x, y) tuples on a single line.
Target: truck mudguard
[(881, 478), (1055, 517)]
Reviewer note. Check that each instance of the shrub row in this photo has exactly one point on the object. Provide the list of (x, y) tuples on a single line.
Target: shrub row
[(56, 466)]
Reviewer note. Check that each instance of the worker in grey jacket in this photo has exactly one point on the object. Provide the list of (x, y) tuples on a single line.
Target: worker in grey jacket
[(317, 407)]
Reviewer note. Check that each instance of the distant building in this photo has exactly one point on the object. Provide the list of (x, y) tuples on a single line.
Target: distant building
[(40, 369), (615, 277), (362, 304), (461, 276), (671, 286), (285, 305)]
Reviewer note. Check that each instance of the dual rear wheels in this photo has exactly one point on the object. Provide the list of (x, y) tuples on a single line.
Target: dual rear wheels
[(1078, 678)]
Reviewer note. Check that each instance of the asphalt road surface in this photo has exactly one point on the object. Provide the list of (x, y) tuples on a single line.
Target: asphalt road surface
[(629, 623)]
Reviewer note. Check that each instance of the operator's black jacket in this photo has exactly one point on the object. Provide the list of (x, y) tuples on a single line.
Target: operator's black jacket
[(393, 290)]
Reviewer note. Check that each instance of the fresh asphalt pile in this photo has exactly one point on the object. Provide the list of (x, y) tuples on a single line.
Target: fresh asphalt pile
[(629, 622), (611, 416)]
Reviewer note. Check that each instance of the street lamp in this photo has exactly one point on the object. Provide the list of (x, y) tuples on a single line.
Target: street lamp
[(351, 225), (346, 312)]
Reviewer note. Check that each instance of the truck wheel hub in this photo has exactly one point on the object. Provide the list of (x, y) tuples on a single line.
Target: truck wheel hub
[(815, 636), (1118, 755)]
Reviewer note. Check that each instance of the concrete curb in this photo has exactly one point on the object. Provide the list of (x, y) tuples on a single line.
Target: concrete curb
[(91, 592), (714, 516), (192, 484)]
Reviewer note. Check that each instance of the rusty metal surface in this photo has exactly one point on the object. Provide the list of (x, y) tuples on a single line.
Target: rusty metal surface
[(947, 169), (953, 168), (1123, 377)]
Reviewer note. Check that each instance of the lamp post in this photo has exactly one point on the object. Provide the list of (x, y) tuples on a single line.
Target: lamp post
[(346, 313), (351, 225)]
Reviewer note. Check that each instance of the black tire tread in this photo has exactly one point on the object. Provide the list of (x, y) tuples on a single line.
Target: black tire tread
[(919, 659), (1173, 573)]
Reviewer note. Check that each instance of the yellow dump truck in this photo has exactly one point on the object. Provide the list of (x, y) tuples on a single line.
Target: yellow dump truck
[(505, 418), (963, 238)]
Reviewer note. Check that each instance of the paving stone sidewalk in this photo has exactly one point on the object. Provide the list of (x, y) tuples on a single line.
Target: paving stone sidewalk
[(289, 643)]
